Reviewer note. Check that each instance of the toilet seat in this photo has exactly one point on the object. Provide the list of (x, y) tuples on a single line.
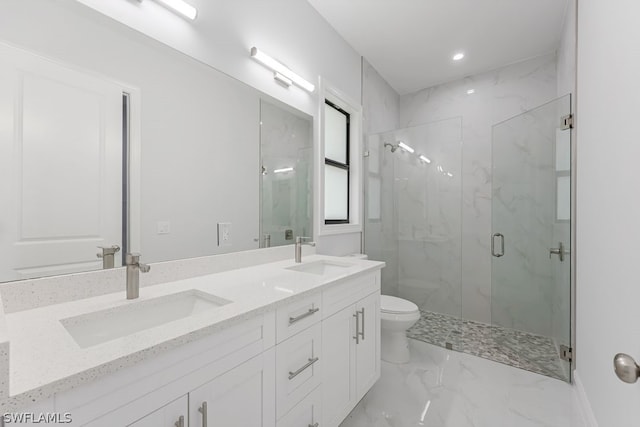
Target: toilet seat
[(397, 306)]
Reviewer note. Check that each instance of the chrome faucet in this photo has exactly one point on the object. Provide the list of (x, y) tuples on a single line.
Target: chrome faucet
[(299, 242), (134, 267)]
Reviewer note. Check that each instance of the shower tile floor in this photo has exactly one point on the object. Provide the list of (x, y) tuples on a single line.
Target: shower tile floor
[(444, 388), (522, 350)]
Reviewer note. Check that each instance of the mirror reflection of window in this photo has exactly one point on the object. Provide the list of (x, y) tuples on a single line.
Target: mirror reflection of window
[(336, 164)]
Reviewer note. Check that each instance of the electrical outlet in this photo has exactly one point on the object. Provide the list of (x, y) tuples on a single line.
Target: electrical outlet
[(224, 234), (163, 227)]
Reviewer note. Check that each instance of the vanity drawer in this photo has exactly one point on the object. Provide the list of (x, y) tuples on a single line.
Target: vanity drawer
[(305, 413), (297, 316), (340, 296), (298, 368)]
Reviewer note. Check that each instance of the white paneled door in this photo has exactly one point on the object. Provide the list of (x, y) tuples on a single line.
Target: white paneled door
[(61, 133)]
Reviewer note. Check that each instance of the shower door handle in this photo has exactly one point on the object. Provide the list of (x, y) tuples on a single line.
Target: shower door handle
[(493, 245)]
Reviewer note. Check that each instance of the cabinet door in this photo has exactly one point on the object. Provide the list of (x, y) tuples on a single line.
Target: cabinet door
[(368, 348), (167, 416), (339, 356), (241, 397)]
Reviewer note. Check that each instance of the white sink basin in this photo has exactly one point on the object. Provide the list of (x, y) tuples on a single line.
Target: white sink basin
[(101, 326), (321, 267)]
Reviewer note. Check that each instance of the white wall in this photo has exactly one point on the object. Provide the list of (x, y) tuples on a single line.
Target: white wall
[(608, 290), (499, 95)]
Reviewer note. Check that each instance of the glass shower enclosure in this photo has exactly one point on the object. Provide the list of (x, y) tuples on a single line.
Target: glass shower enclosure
[(414, 222)]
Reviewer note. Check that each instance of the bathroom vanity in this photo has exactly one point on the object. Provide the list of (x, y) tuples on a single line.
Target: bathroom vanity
[(275, 344)]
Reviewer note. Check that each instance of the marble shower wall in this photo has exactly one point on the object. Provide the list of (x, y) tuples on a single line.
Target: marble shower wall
[(428, 214), (498, 95), (286, 140), (380, 105)]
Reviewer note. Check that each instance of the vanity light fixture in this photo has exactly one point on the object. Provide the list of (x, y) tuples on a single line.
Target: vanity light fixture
[(180, 6), (425, 158), (283, 170), (281, 70), (449, 174), (458, 56), (405, 147)]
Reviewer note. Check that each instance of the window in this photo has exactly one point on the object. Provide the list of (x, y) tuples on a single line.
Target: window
[(336, 164)]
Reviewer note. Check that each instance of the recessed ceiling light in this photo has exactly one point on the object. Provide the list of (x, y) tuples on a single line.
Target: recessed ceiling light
[(471, 91), (458, 56)]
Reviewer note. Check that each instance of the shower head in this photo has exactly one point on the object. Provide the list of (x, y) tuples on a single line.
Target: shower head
[(393, 147)]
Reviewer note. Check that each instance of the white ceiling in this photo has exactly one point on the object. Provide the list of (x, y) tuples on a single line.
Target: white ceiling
[(411, 42)]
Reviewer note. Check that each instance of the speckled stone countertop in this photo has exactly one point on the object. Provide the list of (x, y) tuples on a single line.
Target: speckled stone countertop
[(45, 359)]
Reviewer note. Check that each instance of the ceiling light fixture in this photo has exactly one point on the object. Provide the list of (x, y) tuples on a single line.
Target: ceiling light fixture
[(405, 147), (183, 8), (425, 158), (458, 56), (280, 69)]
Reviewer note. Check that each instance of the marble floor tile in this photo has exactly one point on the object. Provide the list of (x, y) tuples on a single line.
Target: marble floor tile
[(444, 388), (519, 349)]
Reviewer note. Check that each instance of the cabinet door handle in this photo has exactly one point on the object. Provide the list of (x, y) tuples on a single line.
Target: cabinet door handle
[(180, 422), (310, 312), (292, 375), (363, 322), (203, 411), (357, 336)]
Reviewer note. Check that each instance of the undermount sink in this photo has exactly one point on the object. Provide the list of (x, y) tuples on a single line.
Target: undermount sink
[(321, 267), (101, 326)]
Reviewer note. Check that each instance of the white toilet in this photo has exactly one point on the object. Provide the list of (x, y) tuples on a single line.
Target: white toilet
[(397, 315)]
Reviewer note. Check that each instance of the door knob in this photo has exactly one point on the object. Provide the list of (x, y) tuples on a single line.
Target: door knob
[(626, 368)]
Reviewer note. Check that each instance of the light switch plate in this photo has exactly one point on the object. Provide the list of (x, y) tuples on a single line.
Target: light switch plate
[(224, 234), (163, 227)]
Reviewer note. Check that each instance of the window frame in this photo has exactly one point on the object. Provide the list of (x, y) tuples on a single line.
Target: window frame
[(356, 178)]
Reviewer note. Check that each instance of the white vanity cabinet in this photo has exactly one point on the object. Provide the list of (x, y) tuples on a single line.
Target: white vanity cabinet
[(173, 414), (351, 345), (305, 364)]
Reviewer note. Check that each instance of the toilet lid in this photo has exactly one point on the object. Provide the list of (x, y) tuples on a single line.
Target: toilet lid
[(395, 305)]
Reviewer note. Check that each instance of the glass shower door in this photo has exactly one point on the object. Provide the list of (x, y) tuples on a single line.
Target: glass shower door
[(531, 226)]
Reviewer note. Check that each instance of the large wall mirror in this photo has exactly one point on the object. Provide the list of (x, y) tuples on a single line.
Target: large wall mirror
[(109, 138)]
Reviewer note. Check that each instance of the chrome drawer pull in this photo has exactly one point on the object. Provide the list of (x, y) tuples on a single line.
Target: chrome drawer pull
[(203, 411), (292, 375), (302, 316)]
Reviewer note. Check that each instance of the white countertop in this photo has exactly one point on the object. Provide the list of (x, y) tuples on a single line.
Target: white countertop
[(45, 359)]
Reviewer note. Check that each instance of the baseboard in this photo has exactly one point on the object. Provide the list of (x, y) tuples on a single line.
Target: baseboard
[(582, 402)]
